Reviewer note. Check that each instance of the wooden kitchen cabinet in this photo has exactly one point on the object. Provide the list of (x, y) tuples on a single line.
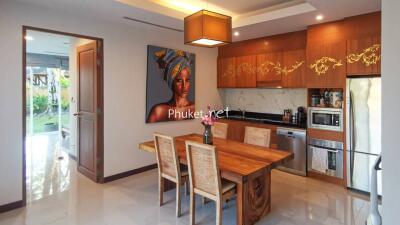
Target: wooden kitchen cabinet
[(326, 55), (267, 73), (326, 64), (295, 63), (333, 50), (226, 72), (246, 71), (364, 56)]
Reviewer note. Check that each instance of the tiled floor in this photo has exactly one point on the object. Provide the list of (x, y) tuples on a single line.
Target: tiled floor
[(133, 201), (48, 166)]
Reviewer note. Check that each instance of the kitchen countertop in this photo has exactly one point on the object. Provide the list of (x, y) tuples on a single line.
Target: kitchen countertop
[(265, 118)]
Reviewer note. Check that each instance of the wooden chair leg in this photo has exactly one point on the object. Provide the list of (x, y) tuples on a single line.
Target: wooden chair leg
[(160, 190), (192, 207), (178, 199), (187, 186), (218, 207)]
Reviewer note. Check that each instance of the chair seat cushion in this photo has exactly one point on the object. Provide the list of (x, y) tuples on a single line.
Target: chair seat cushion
[(227, 185)]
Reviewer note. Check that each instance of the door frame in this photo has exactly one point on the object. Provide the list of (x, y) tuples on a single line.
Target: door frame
[(100, 86)]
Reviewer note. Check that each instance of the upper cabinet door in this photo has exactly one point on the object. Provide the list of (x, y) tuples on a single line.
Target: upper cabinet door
[(294, 69), (269, 73), (364, 56), (246, 71), (326, 64), (226, 72)]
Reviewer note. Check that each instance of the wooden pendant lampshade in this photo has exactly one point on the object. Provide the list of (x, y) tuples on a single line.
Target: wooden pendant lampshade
[(208, 29)]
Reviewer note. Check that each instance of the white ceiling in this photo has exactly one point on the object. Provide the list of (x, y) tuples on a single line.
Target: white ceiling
[(243, 13), (252, 18), (47, 43), (241, 7)]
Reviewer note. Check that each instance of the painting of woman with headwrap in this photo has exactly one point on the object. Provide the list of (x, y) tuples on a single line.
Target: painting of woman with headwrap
[(170, 85)]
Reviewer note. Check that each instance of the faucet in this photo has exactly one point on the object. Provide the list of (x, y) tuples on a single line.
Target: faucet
[(243, 111)]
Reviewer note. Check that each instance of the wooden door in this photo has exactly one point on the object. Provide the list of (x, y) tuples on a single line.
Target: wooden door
[(226, 72), (268, 73), (364, 56), (326, 64), (89, 111), (246, 71), (294, 74)]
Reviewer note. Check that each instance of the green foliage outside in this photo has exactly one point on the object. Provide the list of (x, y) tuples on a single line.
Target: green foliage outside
[(64, 103), (65, 84), (40, 104)]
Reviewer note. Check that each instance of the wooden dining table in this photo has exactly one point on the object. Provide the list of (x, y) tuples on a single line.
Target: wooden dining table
[(249, 166)]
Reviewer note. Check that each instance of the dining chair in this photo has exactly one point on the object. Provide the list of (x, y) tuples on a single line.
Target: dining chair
[(169, 168), (257, 136), (205, 179), (220, 130)]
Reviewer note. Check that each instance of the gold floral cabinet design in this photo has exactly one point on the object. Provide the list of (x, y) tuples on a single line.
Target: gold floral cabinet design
[(364, 56), (246, 71), (326, 64), (281, 69), (267, 74), (276, 69), (226, 72)]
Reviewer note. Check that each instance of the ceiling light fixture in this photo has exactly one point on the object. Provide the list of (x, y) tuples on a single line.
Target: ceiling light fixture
[(209, 29), (28, 38), (236, 33), (319, 17)]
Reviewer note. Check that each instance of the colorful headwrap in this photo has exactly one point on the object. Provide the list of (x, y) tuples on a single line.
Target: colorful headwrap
[(171, 63)]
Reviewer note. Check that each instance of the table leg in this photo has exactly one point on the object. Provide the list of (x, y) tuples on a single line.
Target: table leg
[(241, 200), (254, 198)]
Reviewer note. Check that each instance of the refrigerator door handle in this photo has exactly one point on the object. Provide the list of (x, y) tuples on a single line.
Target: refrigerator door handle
[(351, 162), (352, 138), (352, 128)]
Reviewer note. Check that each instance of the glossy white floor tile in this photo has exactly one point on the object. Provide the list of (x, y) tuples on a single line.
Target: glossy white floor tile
[(133, 201), (48, 166)]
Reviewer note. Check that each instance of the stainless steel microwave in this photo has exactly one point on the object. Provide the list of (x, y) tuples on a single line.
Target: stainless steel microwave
[(325, 118)]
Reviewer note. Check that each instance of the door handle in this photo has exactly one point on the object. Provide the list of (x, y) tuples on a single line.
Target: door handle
[(77, 114)]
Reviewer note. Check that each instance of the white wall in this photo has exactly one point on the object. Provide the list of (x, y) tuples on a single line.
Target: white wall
[(265, 100), (125, 87), (390, 111)]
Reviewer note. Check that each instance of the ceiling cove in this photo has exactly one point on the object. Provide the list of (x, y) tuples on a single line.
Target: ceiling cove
[(243, 13)]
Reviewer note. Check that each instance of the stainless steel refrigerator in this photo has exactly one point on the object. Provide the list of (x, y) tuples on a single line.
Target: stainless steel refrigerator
[(363, 129)]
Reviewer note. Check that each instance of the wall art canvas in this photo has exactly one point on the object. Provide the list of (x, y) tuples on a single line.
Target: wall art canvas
[(170, 86)]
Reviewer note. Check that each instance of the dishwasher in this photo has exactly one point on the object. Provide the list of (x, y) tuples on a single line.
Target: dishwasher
[(293, 140)]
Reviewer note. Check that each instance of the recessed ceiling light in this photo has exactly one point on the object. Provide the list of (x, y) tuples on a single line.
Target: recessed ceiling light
[(319, 17), (236, 33), (28, 38)]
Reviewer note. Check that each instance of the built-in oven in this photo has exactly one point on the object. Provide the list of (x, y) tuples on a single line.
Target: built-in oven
[(325, 118), (325, 157)]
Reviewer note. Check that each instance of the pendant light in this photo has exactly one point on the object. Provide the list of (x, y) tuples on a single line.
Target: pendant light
[(208, 29)]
